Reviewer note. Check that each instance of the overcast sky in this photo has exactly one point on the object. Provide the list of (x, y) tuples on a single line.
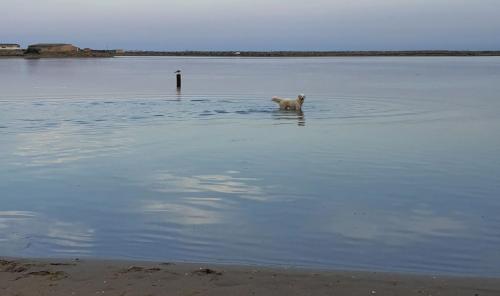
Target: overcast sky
[(254, 24)]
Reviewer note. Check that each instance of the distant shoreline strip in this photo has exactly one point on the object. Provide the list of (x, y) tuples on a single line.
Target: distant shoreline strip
[(310, 53), (418, 53)]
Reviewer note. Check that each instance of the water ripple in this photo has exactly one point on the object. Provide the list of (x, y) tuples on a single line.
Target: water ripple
[(146, 110), (32, 233)]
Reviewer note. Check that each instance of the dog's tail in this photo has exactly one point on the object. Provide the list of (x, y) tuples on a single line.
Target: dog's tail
[(276, 99)]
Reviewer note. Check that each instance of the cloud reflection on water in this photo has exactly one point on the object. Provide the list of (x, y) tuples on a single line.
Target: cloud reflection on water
[(65, 144), (206, 211), (394, 227), (225, 184), (36, 234), (209, 197)]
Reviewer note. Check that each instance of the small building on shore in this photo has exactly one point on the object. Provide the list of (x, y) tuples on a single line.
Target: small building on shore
[(9, 46), (52, 48)]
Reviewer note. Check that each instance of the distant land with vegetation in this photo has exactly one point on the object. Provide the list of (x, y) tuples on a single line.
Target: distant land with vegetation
[(62, 50), (53, 50)]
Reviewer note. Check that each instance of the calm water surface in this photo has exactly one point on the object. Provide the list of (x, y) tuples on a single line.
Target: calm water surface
[(393, 165)]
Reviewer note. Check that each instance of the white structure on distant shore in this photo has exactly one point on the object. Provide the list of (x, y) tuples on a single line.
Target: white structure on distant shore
[(7, 46)]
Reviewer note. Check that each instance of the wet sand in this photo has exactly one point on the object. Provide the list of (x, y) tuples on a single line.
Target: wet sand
[(97, 277)]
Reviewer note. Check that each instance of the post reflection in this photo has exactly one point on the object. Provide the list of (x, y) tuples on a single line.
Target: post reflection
[(178, 94)]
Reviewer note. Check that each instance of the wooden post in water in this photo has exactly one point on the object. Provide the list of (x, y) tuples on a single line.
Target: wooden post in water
[(179, 79)]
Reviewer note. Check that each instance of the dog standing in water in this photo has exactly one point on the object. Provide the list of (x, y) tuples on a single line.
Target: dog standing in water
[(289, 104)]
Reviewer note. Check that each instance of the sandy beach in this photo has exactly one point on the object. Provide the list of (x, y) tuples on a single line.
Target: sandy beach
[(96, 277)]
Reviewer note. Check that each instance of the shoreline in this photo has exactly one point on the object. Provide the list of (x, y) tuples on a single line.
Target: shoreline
[(272, 54), (403, 53), (115, 277)]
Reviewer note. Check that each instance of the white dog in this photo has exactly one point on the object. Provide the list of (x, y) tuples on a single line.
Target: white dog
[(290, 104)]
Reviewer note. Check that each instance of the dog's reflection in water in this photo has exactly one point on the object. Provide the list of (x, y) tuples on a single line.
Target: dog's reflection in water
[(287, 116)]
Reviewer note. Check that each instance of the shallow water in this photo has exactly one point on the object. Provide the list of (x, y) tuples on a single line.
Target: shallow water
[(393, 165)]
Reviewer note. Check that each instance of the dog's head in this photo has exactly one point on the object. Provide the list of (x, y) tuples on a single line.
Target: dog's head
[(301, 99)]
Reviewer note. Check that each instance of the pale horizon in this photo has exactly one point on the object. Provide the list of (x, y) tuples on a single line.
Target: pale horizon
[(319, 25)]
